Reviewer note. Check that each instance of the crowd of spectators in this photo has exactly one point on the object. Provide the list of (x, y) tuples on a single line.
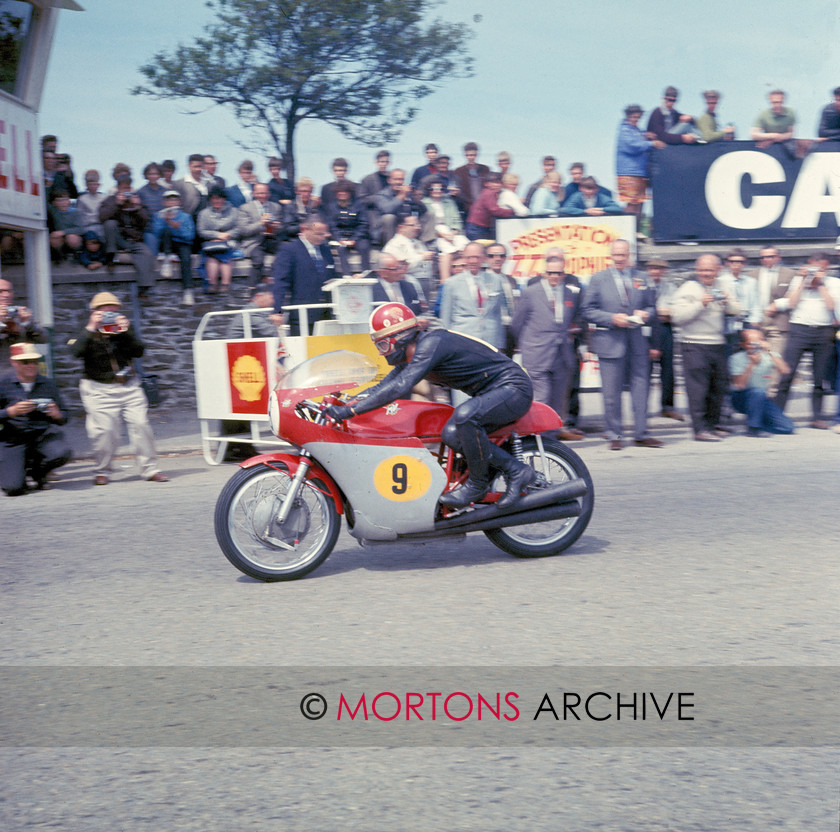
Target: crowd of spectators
[(667, 126), (741, 334)]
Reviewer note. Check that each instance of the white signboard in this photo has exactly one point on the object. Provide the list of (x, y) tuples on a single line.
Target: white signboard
[(21, 180)]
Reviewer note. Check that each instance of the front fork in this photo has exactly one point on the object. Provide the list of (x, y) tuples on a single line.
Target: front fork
[(294, 487), (299, 477)]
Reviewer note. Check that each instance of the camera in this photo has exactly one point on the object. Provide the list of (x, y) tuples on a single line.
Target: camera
[(718, 295), (122, 376), (109, 324), (11, 315), (754, 349), (42, 405)]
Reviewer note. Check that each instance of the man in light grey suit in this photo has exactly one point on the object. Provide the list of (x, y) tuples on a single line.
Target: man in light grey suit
[(474, 303), (543, 325), (259, 230), (621, 302), (474, 300)]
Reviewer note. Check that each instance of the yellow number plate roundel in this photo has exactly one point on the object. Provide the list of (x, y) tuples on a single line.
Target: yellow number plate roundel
[(402, 478)]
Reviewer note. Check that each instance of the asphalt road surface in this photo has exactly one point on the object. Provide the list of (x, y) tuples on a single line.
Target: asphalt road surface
[(703, 555)]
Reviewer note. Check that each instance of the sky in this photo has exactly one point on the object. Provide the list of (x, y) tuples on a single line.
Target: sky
[(551, 77)]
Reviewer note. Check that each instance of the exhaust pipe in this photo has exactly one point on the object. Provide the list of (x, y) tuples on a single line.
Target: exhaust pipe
[(522, 518), (552, 495), (553, 503)]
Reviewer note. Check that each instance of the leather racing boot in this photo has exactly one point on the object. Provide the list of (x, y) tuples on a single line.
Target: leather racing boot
[(472, 491), (518, 476)]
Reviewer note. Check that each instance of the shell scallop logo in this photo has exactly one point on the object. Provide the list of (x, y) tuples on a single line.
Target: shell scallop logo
[(248, 377)]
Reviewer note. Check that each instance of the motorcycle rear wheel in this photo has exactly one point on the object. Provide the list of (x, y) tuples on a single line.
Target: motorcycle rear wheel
[(551, 537), (251, 538)]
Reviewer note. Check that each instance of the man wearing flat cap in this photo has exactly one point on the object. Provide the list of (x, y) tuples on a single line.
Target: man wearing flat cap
[(31, 441), (111, 391)]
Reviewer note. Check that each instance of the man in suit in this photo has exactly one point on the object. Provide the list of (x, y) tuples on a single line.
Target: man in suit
[(393, 286), (474, 300), (470, 177), (300, 270), (496, 257), (543, 325), (259, 230), (193, 186), (374, 182), (621, 303), (773, 284), (210, 165), (242, 191)]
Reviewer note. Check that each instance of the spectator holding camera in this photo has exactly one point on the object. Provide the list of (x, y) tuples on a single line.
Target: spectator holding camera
[(751, 371), (17, 323), (699, 308), (814, 300), (30, 414), (111, 391), (125, 220)]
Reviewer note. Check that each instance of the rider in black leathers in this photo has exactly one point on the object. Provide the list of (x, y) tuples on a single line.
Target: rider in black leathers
[(501, 391)]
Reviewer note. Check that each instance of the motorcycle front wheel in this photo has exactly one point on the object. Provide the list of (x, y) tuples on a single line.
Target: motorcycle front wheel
[(252, 539), (538, 540)]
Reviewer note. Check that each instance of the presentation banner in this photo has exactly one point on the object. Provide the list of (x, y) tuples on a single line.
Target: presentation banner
[(586, 241), (736, 191)]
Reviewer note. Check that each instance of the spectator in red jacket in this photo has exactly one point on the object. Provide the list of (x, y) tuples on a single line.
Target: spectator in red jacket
[(485, 209)]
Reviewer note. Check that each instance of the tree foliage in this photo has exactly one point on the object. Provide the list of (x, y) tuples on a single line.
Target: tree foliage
[(358, 65)]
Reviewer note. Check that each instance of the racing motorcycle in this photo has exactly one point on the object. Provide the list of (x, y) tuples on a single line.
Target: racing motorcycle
[(279, 516)]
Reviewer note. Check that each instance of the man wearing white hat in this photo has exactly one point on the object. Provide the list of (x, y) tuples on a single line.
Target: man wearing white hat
[(111, 391), (30, 413)]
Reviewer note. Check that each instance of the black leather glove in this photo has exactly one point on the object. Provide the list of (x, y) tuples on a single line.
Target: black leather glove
[(339, 412)]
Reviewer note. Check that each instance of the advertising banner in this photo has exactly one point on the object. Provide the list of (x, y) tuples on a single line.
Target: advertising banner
[(586, 241), (737, 191), (21, 198)]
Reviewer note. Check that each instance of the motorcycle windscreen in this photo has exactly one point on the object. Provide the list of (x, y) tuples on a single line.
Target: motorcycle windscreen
[(340, 368)]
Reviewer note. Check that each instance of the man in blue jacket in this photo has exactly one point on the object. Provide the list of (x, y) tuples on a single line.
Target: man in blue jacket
[(301, 268)]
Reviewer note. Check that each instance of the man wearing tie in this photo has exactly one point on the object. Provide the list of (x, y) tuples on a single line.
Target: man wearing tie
[(474, 300), (543, 325), (300, 270), (393, 286), (621, 302), (473, 304)]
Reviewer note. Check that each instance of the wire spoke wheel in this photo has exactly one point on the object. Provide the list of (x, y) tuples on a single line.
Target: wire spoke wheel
[(559, 464), (256, 543)]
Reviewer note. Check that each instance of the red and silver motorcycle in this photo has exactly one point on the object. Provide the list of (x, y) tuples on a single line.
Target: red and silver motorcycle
[(279, 516)]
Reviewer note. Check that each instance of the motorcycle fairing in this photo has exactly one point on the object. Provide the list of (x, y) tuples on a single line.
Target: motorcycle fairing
[(393, 489)]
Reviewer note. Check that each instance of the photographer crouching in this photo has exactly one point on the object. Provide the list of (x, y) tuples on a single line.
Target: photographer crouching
[(111, 390), (751, 371), (30, 413)]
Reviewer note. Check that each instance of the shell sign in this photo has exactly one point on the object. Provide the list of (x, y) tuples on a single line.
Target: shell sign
[(248, 376)]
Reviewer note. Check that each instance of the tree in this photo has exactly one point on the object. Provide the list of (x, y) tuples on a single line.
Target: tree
[(358, 65)]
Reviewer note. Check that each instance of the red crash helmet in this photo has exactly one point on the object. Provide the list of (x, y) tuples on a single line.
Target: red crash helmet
[(389, 324)]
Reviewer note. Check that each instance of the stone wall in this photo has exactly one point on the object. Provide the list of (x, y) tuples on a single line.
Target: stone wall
[(167, 328)]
